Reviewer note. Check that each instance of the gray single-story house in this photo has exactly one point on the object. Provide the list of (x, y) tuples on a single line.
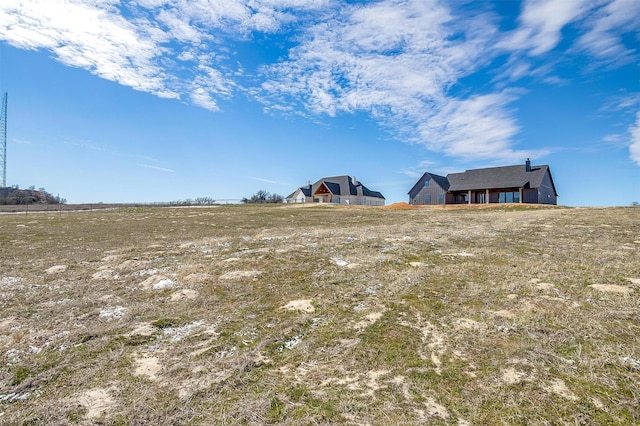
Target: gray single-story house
[(522, 183), (336, 190)]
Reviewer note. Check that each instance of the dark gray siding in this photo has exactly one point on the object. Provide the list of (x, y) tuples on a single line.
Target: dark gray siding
[(546, 192), (433, 191), (530, 196)]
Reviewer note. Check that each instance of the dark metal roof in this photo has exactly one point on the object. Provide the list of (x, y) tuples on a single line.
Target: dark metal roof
[(498, 178), (334, 187), (369, 193), (340, 185), (346, 185), (306, 190)]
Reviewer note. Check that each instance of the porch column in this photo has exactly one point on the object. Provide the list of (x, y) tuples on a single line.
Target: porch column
[(469, 197), (486, 200), (520, 191)]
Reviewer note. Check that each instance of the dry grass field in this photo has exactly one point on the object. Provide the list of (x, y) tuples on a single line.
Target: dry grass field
[(250, 315)]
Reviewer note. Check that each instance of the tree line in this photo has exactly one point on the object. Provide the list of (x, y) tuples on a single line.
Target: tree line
[(13, 195)]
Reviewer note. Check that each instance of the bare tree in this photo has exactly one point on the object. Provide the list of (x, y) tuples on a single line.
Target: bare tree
[(205, 201), (263, 196), (275, 198)]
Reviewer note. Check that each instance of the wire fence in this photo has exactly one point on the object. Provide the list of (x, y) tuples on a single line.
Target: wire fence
[(60, 208)]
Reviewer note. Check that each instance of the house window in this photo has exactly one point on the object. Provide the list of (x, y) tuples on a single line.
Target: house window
[(509, 197), (427, 199), (426, 183), (440, 198)]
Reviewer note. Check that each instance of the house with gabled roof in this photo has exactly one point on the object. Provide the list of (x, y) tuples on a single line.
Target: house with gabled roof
[(337, 190), (522, 183)]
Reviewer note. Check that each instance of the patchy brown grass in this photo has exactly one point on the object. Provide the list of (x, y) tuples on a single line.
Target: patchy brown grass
[(282, 315)]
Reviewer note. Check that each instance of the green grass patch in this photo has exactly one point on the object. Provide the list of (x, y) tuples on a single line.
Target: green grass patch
[(19, 376)]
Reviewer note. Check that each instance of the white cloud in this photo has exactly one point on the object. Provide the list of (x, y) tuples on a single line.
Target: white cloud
[(541, 23), (604, 38), (170, 48), (401, 61), (479, 127), (89, 35), (634, 148), (398, 61)]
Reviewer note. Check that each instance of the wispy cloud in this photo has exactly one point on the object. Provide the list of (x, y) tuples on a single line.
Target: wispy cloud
[(401, 61), (161, 169), (541, 23), (265, 180), (398, 60), (171, 48), (272, 182), (90, 35), (479, 127), (617, 140), (602, 24), (606, 28)]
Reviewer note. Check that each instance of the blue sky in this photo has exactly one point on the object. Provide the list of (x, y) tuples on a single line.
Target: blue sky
[(164, 100)]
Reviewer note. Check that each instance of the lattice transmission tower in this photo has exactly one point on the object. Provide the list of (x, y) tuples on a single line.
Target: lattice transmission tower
[(3, 141)]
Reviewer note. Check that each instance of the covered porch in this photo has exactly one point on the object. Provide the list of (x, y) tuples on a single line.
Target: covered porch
[(324, 195), (488, 196)]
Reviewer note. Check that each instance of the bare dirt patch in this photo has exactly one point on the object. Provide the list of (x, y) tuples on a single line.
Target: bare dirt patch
[(544, 286), (97, 402), (512, 376), (368, 320), (612, 288), (559, 387), (198, 278), (304, 305), (157, 282), (105, 274), (147, 366), (56, 269), (235, 275), (184, 294)]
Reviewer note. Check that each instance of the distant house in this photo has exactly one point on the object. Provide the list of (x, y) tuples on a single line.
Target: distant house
[(337, 190), (522, 183)]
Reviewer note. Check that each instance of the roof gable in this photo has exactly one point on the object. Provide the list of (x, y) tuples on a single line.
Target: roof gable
[(305, 190), (345, 185), (441, 181)]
